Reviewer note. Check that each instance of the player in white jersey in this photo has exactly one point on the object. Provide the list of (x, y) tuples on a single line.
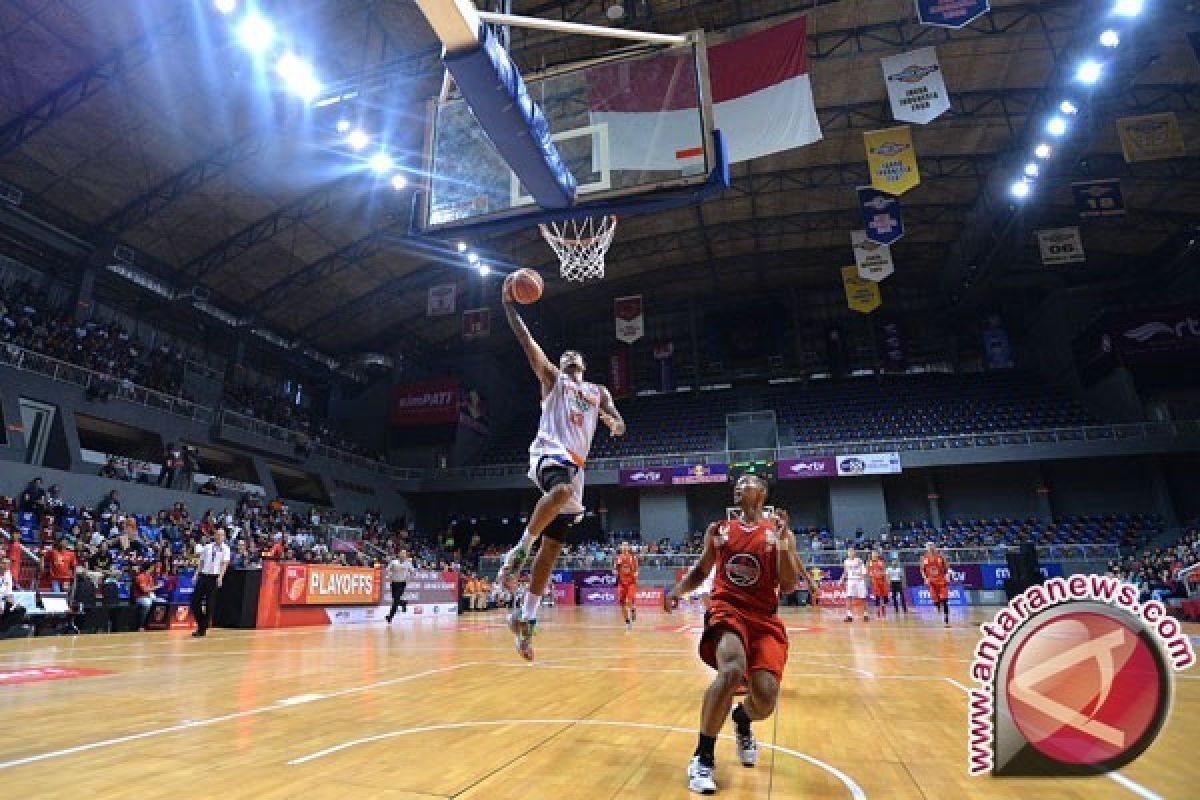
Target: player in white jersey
[(571, 409), (854, 581)]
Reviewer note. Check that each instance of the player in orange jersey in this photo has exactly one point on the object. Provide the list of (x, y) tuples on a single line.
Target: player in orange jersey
[(626, 570), (755, 559), (935, 570), (877, 572)]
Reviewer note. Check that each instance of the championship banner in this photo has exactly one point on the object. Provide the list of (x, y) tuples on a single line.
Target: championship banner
[(869, 464), (440, 301), (916, 86), (892, 160), (650, 476), (427, 403), (882, 217), (1151, 137), (700, 473), (1099, 198), (861, 295), (630, 318), (874, 260), (951, 13), (618, 373), (798, 469), (328, 585), (476, 323), (1061, 246)]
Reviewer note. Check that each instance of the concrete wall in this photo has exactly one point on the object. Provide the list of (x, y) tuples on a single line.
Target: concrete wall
[(857, 503), (664, 512), (995, 490)]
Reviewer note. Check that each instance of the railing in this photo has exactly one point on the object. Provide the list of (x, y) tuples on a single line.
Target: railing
[(29, 361), (834, 558), (1134, 430)]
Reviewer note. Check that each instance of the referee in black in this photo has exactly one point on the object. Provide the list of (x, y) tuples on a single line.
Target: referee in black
[(214, 560)]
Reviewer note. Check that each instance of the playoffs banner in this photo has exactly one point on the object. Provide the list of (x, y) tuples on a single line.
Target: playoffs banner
[(798, 469), (951, 13), (427, 403), (916, 87), (618, 372), (861, 295), (874, 260), (1098, 198), (650, 476), (630, 318), (440, 301), (892, 160), (477, 323), (1151, 137), (328, 585), (882, 217), (1061, 246), (869, 464)]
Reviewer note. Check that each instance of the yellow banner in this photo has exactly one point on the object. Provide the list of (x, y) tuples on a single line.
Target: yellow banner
[(861, 295), (892, 160), (1151, 137)]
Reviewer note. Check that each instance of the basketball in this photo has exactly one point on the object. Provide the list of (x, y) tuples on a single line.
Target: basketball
[(527, 286)]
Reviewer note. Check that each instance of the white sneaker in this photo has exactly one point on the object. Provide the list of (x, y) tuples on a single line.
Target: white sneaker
[(747, 749), (700, 777), (849, 618)]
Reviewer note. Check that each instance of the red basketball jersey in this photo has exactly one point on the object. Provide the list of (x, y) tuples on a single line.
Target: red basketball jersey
[(933, 568), (747, 575)]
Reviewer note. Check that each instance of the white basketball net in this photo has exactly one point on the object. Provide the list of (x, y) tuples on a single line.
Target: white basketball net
[(581, 245)]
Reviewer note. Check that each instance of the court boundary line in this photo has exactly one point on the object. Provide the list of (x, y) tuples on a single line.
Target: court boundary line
[(855, 790)]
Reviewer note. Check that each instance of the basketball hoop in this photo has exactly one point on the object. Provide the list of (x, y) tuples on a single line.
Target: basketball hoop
[(581, 245)]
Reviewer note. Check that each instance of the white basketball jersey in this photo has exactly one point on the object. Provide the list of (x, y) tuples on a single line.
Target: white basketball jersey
[(855, 569), (569, 416)]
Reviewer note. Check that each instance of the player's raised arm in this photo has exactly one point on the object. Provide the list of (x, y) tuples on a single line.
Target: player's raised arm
[(609, 414), (699, 570), (546, 372)]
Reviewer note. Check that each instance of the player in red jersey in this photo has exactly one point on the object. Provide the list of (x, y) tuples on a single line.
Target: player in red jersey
[(877, 572), (626, 570), (935, 570), (755, 559)]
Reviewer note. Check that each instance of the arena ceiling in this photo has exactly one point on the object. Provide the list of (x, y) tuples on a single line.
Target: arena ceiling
[(152, 129)]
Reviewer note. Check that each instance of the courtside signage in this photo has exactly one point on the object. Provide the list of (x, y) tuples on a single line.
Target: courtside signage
[(1074, 678), (323, 585)]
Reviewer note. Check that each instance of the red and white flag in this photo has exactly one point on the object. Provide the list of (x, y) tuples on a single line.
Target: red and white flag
[(762, 102), (630, 318)]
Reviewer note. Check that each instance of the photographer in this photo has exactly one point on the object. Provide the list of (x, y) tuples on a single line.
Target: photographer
[(172, 465)]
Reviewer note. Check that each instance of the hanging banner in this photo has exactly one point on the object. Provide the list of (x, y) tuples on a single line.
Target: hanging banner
[(798, 469), (440, 301), (916, 86), (432, 402), (1099, 198), (630, 318), (477, 323), (874, 260), (892, 160), (951, 13), (618, 372), (882, 217), (891, 346), (869, 464), (861, 295), (1061, 246), (664, 356), (997, 349), (1151, 137)]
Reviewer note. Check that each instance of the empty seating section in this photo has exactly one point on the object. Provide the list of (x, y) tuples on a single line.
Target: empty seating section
[(1124, 530), (914, 406)]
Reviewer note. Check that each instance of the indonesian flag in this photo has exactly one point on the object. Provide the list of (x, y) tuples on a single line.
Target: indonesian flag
[(762, 102)]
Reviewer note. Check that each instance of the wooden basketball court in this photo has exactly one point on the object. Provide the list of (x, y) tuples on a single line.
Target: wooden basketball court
[(430, 709)]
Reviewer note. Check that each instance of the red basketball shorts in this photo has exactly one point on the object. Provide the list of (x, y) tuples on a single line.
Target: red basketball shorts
[(939, 591), (626, 593), (763, 636)]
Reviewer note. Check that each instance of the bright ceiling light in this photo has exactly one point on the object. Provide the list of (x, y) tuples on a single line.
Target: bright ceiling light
[(399, 181), (1042, 151), (473, 258), (343, 125), (1089, 72), (380, 163), (1129, 8), (298, 75), (484, 270), (1067, 107), (1031, 170), (256, 33), (1020, 189), (357, 140), (462, 247), (226, 6), (1110, 38), (1057, 126)]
